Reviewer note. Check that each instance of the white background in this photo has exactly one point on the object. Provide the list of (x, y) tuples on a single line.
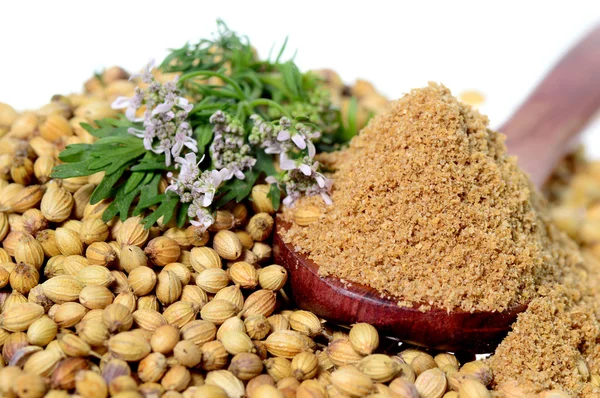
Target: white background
[(501, 49)]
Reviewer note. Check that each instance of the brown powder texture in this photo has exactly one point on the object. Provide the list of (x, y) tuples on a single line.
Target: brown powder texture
[(429, 209)]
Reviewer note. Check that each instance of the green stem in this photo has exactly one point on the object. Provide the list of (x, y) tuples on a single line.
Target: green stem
[(268, 102), (226, 79)]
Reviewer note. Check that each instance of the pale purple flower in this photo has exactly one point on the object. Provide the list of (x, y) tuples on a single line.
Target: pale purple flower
[(146, 75), (200, 216)]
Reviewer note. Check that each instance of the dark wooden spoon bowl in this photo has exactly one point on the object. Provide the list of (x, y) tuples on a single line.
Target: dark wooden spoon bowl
[(477, 332), (539, 132)]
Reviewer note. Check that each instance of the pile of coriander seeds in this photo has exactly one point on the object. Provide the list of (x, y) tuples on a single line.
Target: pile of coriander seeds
[(93, 309)]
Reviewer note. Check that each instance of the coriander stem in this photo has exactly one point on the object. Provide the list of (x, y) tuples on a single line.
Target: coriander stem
[(268, 102), (226, 79)]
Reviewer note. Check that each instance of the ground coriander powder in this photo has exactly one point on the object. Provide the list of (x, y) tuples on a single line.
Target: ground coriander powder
[(429, 209)]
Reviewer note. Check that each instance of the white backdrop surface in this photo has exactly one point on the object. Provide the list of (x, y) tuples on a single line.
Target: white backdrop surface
[(501, 49)]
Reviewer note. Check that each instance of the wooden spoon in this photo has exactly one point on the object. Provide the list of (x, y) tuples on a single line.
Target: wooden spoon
[(538, 132)]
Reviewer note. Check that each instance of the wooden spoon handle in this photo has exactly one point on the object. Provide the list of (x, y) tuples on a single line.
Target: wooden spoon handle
[(540, 131)]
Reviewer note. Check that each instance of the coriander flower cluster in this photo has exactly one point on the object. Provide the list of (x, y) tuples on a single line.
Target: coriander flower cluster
[(166, 129), (228, 149), (198, 188), (294, 144)]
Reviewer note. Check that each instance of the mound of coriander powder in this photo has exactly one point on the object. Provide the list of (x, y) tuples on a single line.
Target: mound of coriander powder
[(429, 208)]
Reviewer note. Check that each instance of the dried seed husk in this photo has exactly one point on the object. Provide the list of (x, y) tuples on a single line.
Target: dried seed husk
[(162, 251), (148, 302), (202, 258), (123, 386), (245, 366), (177, 378), (365, 339), (95, 275), (18, 317), (351, 381), (262, 251), (47, 239), (114, 368), (93, 331), (224, 220), (152, 368), (63, 376), (13, 298), (187, 353), (11, 240), (4, 277), (153, 390), (24, 277), (57, 204), (120, 284), (168, 287), (149, 319), (132, 257), (211, 280), (306, 215), (431, 383), (272, 277), (227, 245), (117, 318), (261, 202), (73, 225), (243, 275), (475, 389), (128, 346), (165, 338), (34, 221), (13, 344), (72, 345), (93, 230), (81, 198), (305, 322), (55, 266), (245, 239), (132, 232), (182, 272), (69, 314), (4, 226), (95, 210), (42, 168), (312, 389), (25, 199), (260, 302), (179, 236), (257, 326), (37, 296), (42, 363), (236, 342), (233, 294), (256, 382), (444, 359), (142, 280), (72, 184), (55, 127), (278, 322), (197, 236), (100, 253), (305, 366), (278, 368), (180, 313), (96, 296), (482, 371), (73, 264), (288, 343), (233, 387), (422, 363), (287, 387), (29, 251), (340, 352), (380, 368), (28, 385), (218, 311), (260, 226), (234, 323), (68, 242), (90, 384), (214, 356), (42, 331), (199, 332), (403, 388)]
